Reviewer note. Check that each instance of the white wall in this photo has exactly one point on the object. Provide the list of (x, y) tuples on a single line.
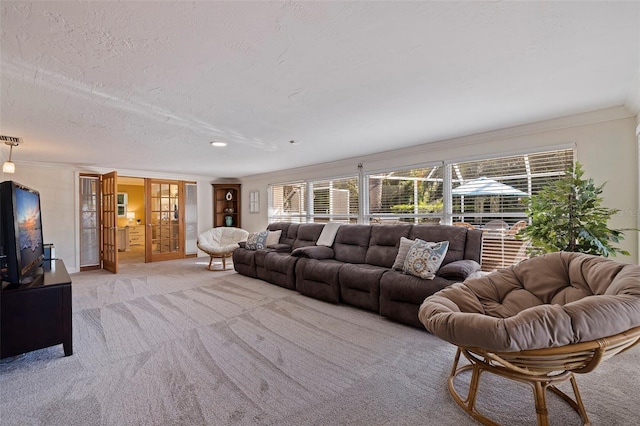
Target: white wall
[(605, 142), (57, 200), (58, 187)]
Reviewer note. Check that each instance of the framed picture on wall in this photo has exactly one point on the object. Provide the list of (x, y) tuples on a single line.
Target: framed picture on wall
[(254, 202)]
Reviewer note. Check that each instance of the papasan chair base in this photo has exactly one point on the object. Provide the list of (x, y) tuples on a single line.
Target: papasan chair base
[(542, 369)]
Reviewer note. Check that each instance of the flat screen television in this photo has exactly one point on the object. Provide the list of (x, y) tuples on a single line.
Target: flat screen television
[(20, 232)]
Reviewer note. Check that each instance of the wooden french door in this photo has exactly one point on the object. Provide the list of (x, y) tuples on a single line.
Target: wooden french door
[(109, 225), (164, 200)]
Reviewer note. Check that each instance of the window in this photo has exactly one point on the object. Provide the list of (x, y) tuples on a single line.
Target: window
[(488, 194), (491, 195), (411, 195), (288, 202), (89, 221), (490, 189), (335, 200)]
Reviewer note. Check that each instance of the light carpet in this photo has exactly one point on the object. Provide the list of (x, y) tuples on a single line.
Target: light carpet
[(172, 343)]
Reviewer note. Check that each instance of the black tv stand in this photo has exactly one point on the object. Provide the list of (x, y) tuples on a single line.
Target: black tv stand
[(38, 314)]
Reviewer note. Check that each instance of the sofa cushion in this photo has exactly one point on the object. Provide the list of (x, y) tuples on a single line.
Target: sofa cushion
[(308, 234), (459, 270), (424, 258), (351, 243), (401, 295), (281, 248), (360, 285), (318, 278), (281, 269), (384, 242), (313, 252)]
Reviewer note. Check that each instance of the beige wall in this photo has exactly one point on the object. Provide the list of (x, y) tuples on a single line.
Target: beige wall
[(135, 203), (605, 142)]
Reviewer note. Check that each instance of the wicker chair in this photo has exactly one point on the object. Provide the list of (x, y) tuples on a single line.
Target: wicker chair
[(220, 242), (534, 323)]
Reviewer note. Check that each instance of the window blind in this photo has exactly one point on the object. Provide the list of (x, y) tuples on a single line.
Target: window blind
[(335, 200), (491, 194), (287, 202), (411, 195)]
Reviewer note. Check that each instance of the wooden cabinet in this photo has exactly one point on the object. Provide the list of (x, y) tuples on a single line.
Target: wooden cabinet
[(136, 235), (226, 204), (37, 315)]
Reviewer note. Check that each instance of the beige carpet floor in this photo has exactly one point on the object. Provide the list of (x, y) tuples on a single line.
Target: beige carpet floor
[(171, 343)]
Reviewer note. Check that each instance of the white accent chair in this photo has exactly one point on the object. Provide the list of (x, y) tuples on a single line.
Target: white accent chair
[(220, 242)]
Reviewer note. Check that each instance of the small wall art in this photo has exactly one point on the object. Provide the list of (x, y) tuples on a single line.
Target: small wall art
[(254, 202)]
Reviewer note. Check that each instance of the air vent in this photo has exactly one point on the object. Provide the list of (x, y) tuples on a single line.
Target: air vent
[(10, 139)]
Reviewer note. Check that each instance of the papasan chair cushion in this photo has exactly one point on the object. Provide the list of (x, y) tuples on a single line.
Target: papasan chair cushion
[(547, 301), (220, 242), (537, 322)]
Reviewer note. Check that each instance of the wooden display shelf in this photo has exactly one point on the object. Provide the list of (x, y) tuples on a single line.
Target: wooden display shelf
[(226, 204)]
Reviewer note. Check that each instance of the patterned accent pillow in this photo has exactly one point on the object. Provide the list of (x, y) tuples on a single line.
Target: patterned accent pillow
[(256, 240), (424, 258)]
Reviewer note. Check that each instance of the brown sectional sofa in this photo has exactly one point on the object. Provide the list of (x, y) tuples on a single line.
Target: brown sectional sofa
[(357, 268)]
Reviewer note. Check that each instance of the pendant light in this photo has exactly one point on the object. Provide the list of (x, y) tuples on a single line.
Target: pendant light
[(9, 166)]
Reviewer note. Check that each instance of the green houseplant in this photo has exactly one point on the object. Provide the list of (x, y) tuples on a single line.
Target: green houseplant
[(566, 215)]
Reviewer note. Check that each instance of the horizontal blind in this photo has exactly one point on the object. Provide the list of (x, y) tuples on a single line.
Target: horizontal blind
[(492, 194), (335, 200), (288, 202), (411, 195)]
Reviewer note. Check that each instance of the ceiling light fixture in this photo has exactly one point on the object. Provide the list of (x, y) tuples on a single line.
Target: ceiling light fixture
[(218, 143), (9, 166)]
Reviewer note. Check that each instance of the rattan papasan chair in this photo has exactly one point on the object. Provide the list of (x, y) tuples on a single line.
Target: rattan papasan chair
[(220, 242), (538, 322)]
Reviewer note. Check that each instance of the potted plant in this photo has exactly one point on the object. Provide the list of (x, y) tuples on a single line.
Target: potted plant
[(566, 215)]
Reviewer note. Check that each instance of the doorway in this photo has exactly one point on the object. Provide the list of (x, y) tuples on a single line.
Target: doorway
[(128, 220), (131, 220)]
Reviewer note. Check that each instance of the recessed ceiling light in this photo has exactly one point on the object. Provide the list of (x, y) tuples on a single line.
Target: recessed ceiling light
[(218, 143)]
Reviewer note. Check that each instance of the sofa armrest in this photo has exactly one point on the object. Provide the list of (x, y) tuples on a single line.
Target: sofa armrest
[(458, 270), (280, 248), (314, 252)]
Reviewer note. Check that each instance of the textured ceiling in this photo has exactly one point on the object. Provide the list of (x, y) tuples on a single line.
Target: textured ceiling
[(147, 85)]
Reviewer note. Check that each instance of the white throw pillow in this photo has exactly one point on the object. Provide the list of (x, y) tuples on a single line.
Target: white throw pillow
[(328, 234), (273, 238), (403, 250)]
